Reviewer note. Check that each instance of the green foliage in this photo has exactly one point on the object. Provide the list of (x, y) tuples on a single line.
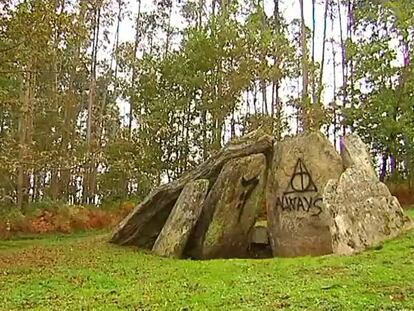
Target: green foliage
[(381, 109), (229, 69)]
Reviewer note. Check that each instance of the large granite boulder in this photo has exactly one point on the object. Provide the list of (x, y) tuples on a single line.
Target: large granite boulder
[(363, 211), (298, 221), (230, 210), (174, 235)]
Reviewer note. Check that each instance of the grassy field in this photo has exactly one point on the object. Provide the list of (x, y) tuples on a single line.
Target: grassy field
[(83, 272)]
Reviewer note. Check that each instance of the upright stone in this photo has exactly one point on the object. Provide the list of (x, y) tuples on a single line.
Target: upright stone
[(230, 209), (363, 211), (354, 153), (174, 236), (299, 224)]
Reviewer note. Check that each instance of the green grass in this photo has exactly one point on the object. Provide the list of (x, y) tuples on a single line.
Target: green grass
[(83, 272)]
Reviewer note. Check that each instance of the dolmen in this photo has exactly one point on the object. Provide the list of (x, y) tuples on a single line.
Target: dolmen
[(258, 197)]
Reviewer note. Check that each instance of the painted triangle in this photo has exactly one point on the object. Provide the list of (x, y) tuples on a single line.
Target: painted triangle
[(301, 180)]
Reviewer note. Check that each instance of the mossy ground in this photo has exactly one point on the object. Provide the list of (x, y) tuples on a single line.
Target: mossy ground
[(84, 272)]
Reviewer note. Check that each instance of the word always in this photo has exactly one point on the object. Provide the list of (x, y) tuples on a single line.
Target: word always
[(300, 203)]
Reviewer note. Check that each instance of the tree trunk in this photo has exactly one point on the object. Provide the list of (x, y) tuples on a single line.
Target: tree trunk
[(169, 32), (276, 86), (305, 70), (314, 98), (90, 180), (334, 94), (325, 22), (134, 69), (351, 62), (22, 130), (344, 65), (383, 172), (233, 124)]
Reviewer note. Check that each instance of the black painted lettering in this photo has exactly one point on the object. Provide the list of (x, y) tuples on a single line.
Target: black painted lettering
[(279, 202), (309, 202), (303, 188), (292, 203), (318, 205), (300, 205)]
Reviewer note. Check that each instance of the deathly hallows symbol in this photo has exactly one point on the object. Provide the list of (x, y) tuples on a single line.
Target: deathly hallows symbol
[(301, 180)]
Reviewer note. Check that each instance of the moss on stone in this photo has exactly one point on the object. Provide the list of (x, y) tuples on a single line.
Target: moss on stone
[(214, 233)]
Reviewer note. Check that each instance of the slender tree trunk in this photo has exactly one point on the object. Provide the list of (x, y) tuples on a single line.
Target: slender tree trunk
[(2, 119), (344, 65), (264, 96), (90, 180), (276, 85), (263, 82), (314, 93), (29, 137), (115, 53), (213, 7), (305, 69), (255, 98), (350, 61), (169, 32), (247, 102), (334, 93), (233, 124), (383, 172), (22, 130), (54, 180), (299, 112), (272, 107), (134, 69), (325, 22), (35, 186), (218, 118)]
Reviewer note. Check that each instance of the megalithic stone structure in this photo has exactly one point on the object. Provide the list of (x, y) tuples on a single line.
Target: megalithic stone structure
[(313, 200), (143, 225)]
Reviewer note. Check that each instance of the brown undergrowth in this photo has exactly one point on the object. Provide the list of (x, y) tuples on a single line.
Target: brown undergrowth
[(61, 219), (404, 194)]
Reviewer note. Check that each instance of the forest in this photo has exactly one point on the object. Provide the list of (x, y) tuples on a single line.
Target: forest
[(89, 114)]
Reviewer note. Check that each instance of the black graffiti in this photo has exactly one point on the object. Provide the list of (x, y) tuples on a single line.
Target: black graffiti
[(301, 203), (249, 185), (298, 195), (301, 180)]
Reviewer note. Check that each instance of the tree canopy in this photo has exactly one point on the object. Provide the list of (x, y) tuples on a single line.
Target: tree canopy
[(226, 68)]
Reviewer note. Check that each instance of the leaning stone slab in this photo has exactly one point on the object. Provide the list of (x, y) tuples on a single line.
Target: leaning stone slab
[(299, 224), (355, 153), (174, 236), (230, 209), (363, 210)]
